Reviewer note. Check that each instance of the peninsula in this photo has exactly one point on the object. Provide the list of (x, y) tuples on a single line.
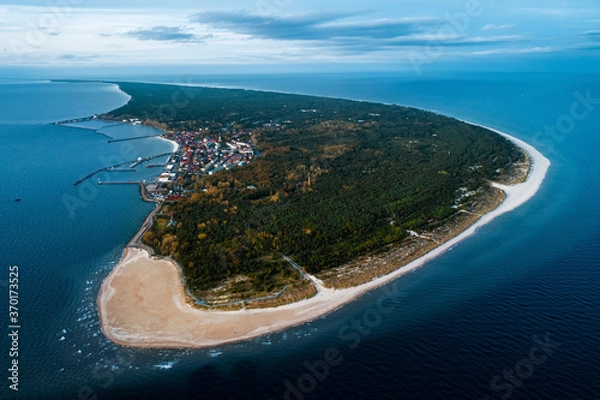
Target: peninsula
[(276, 209)]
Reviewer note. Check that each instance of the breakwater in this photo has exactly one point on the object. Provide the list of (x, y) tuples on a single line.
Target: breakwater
[(132, 164)]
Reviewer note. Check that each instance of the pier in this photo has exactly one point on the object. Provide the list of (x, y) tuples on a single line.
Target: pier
[(107, 169), (73, 121), (132, 138), (119, 182), (121, 169), (99, 133), (85, 128), (118, 167), (88, 176), (139, 161)]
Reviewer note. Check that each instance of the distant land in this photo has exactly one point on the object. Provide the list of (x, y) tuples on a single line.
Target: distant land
[(273, 199)]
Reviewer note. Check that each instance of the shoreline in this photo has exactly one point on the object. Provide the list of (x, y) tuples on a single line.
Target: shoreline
[(142, 303), (173, 143)]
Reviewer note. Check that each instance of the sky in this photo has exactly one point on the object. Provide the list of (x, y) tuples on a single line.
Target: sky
[(389, 34)]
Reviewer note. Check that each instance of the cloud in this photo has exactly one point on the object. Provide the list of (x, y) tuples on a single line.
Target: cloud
[(345, 34), (334, 32), (165, 34), (565, 12), (593, 35), (76, 58), (312, 27), (592, 41), (426, 43), (462, 41), (532, 50), (492, 27)]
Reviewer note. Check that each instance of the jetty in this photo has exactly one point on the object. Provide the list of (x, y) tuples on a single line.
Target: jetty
[(119, 182), (88, 176), (117, 168), (107, 169), (141, 160), (85, 128), (73, 121), (121, 170), (132, 138)]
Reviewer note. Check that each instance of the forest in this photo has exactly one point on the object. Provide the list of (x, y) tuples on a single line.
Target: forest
[(336, 179)]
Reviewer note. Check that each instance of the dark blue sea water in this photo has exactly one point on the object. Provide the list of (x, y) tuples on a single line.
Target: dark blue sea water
[(513, 312)]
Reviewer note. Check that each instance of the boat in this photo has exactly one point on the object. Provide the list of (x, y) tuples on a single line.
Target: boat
[(18, 199)]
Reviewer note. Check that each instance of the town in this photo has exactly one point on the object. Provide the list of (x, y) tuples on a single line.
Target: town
[(199, 154)]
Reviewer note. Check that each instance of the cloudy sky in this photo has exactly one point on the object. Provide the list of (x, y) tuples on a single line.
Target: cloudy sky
[(402, 33)]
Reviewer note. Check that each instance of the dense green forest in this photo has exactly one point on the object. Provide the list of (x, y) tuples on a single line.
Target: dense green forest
[(336, 179)]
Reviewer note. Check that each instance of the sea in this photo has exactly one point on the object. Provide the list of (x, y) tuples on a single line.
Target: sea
[(512, 312)]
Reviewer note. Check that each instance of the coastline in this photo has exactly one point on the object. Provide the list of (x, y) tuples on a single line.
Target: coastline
[(142, 303), (173, 143)]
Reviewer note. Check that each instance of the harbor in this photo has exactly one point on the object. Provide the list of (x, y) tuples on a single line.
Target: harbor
[(119, 167)]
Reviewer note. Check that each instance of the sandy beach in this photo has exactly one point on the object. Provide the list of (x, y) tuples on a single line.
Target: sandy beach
[(142, 302), (173, 143)]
